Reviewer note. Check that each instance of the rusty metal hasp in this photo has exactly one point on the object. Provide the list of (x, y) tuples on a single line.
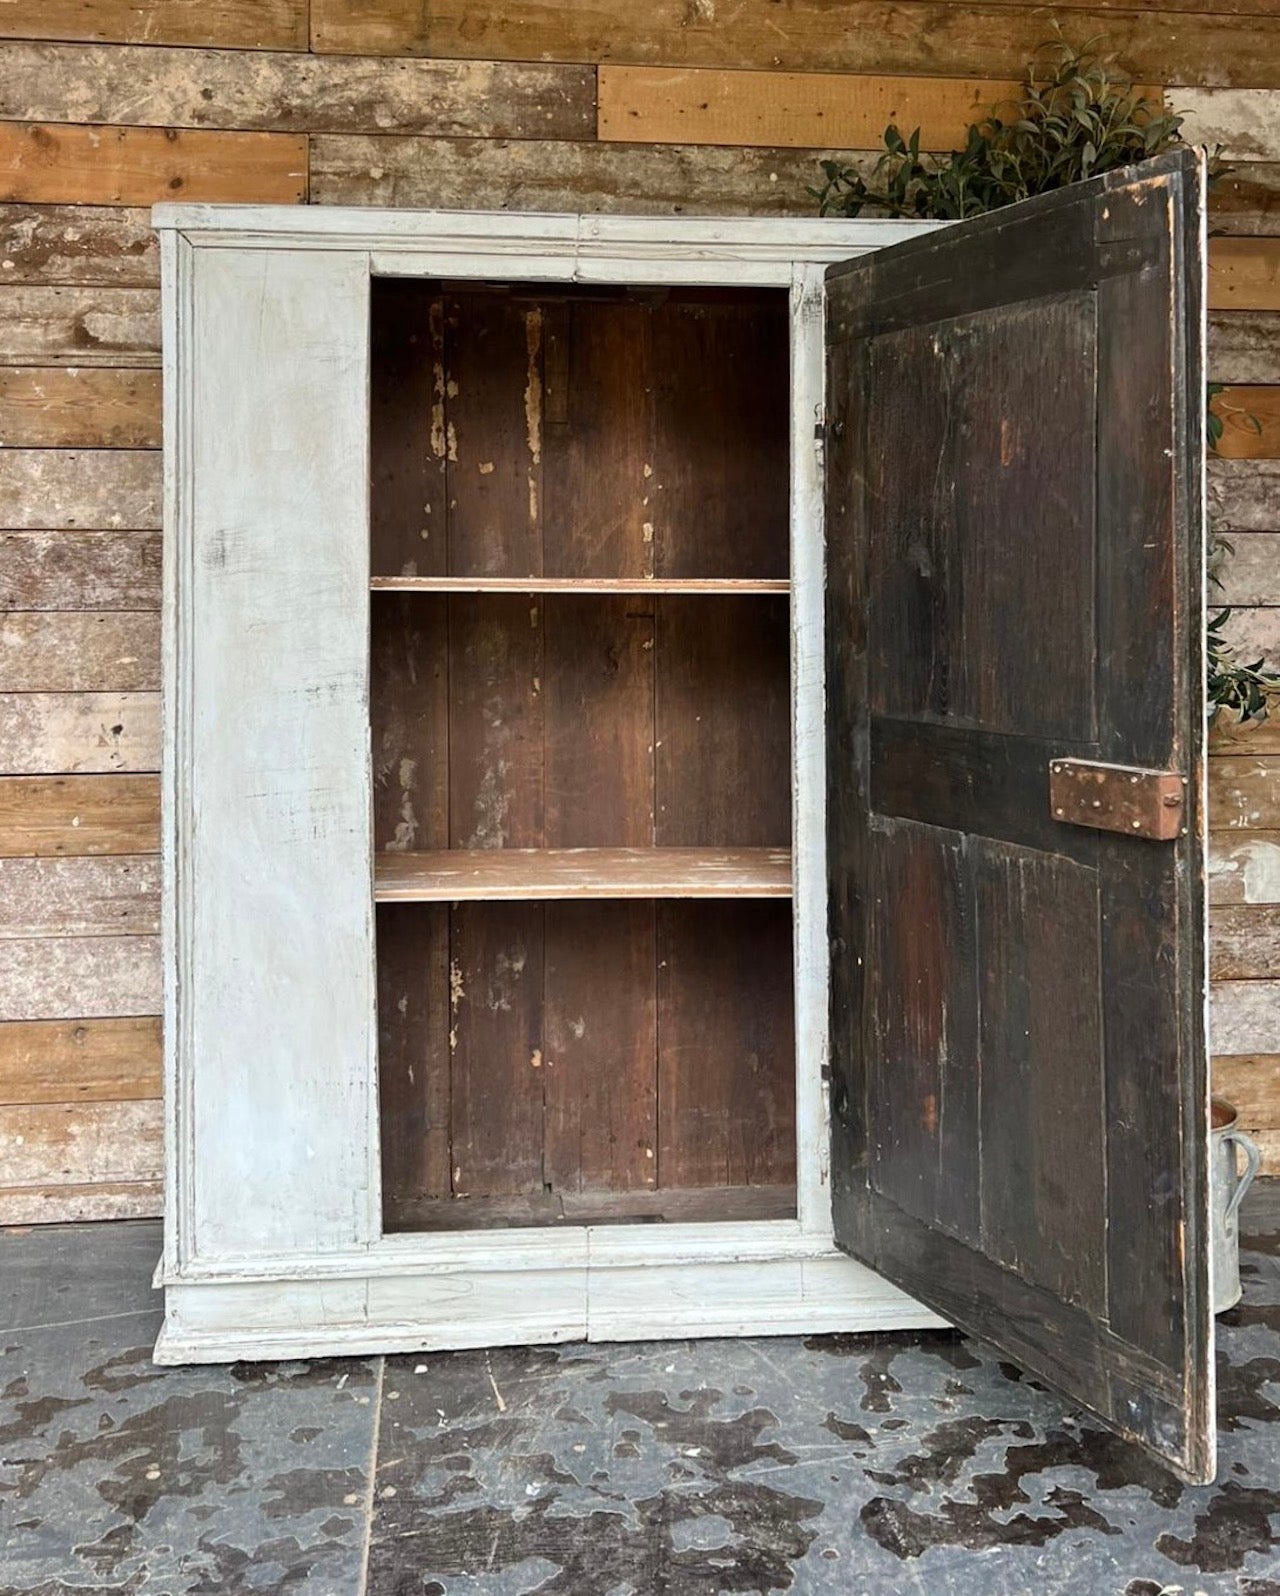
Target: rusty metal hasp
[(1125, 798)]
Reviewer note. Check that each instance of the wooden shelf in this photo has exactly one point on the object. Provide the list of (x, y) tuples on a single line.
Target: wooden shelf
[(572, 584), (528, 873)]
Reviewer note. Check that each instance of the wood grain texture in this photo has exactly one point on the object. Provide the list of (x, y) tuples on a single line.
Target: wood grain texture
[(76, 1144), (1243, 1016), (55, 408), (47, 488), (87, 326), (75, 816), (141, 86), (80, 897), (57, 978), (413, 1056), (76, 651), (80, 570), (698, 105), (496, 874), (1254, 633), (78, 733), (62, 1205), (1244, 346), (244, 24), (86, 245), (1252, 1082), (726, 1045), (78, 1061), (546, 175), (496, 1048), (1244, 495), (1244, 943), (1245, 201), (1244, 274), (1244, 867), (879, 36), (1244, 792), (1242, 124), (409, 711), (1228, 736), (1250, 416), (61, 164), (600, 1048)]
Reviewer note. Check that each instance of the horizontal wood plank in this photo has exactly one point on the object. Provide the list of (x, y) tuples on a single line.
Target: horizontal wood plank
[(1245, 201), (1252, 1082), (1244, 867), (1242, 124), (75, 733), (227, 89), (1244, 346), (79, 570), (79, 326), (1244, 943), (1244, 274), (1244, 792), (1228, 736), (74, 816), (80, 245), (75, 1144), (1250, 416), (245, 24), (65, 1205), (59, 164), (67, 978), (90, 897), (80, 1061), (1250, 572), (45, 488), (1244, 495), (550, 175), (700, 105), (1244, 1016), (53, 407), (74, 651), (1254, 634), (544, 873), (1173, 46)]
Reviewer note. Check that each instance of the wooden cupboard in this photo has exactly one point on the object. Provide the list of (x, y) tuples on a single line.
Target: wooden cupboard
[(620, 677)]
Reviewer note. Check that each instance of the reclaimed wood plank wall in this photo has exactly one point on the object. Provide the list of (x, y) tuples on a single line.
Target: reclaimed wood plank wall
[(109, 105)]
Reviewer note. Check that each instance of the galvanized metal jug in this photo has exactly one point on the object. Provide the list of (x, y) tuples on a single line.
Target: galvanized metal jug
[(1226, 1192)]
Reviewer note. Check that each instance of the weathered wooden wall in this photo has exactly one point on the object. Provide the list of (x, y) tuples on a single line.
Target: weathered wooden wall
[(679, 105)]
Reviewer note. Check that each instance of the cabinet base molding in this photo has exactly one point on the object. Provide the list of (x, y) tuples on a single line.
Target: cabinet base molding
[(438, 1309)]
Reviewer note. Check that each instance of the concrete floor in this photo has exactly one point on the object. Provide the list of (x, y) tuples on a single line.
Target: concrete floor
[(907, 1463)]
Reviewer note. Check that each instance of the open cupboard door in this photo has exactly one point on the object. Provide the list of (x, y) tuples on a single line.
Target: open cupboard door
[(1014, 610)]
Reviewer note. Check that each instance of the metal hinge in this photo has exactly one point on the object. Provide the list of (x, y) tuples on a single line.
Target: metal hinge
[(1124, 798)]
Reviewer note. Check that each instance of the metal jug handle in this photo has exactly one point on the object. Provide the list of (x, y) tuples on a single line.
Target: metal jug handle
[(1253, 1163)]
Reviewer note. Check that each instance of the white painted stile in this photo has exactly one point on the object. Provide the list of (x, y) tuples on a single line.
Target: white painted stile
[(273, 1243)]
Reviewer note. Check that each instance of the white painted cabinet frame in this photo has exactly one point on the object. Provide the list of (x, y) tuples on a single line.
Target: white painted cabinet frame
[(273, 1239)]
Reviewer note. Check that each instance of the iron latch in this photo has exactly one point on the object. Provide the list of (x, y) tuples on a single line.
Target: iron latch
[(1124, 798)]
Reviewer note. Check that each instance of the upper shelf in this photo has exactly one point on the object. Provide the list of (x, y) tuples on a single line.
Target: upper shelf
[(576, 584), (531, 873)]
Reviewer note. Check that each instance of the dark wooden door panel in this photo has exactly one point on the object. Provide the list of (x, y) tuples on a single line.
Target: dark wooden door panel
[(1019, 1090)]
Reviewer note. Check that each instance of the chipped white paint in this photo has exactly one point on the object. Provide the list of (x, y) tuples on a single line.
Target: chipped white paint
[(1246, 870), (273, 1242), (1243, 123)]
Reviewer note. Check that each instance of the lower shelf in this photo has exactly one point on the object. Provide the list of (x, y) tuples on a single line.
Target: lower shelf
[(690, 1205), (454, 874)]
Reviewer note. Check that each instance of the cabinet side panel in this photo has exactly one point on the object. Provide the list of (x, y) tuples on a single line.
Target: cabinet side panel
[(276, 971)]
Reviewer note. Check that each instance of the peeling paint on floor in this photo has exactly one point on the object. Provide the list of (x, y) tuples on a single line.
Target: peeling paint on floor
[(906, 1463)]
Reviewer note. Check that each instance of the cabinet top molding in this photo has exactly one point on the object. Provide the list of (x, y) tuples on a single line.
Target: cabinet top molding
[(758, 240)]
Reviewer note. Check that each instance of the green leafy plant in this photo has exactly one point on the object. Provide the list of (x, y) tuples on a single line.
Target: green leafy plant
[(1071, 120)]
